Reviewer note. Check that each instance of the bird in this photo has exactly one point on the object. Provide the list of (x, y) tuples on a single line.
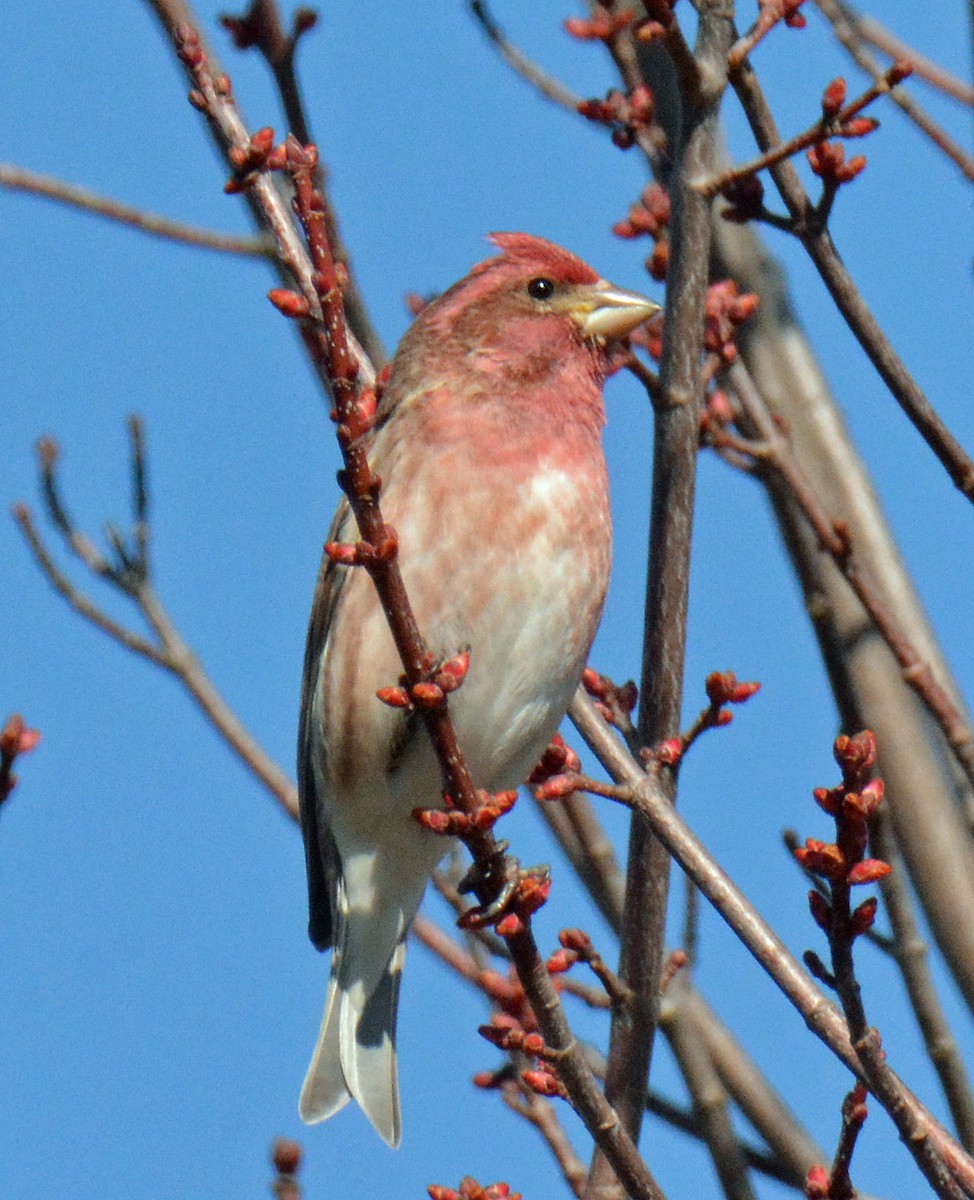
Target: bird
[(488, 442)]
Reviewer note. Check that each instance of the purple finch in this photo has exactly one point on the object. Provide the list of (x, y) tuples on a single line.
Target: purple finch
[(488, 441)]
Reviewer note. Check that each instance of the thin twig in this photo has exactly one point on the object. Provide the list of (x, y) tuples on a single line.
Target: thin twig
[(823, 128), (765, 1109), (835, 539), (850, 29), (261, 27), (547, 85), (847, 298), (128, 572), (870, 30), (706, 1092), (78, 600), (910, 950), (542, 1115), (20, 179), (680, 1118)]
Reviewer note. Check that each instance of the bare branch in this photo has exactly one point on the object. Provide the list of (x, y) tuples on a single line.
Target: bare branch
[(872, 31), (128, 572), (549, 87), (706, 1091), (848, 300), (261, 27), (20, 179), (674, 477), (634, 787), (851, 30)]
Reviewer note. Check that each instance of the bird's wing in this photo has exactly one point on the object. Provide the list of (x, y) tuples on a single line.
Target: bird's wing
[(320, 852)]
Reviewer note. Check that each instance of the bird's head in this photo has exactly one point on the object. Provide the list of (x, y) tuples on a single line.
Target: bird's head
[(526, 315)]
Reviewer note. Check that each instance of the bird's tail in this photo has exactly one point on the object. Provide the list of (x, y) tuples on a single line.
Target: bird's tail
[(355, 1055)]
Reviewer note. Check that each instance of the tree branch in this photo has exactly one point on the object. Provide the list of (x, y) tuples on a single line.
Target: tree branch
[(675, 444)]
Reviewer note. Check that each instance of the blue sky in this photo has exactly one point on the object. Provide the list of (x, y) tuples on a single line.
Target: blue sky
[(160, 997)]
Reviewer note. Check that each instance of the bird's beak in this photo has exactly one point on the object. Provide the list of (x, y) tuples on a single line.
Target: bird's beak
[(604, 311)]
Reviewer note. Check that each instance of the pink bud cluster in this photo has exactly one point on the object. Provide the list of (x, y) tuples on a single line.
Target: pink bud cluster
[(576, 945), (726, 310), (722, 688), (451, 822), (557, 759), (615, 701), (15, 739), (828, 162), (650, 217), (605, 24), (514, 1028), (843, 863), (470, 1189), (429, 693), (602, 26), (773, 11), (626, 113)]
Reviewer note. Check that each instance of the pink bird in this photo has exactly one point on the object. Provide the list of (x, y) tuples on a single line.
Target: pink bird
[(488, 442)]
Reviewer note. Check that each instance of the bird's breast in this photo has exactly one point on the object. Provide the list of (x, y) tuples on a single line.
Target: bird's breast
[(509, 559)]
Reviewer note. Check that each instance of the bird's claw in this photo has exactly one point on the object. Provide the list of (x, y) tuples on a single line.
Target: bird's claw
[(517, 894)]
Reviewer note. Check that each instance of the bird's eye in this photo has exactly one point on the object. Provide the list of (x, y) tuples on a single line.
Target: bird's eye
[(541, 288)]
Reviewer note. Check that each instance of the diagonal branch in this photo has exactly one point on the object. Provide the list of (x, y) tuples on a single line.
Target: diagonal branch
[(849, 301), (20, 179), (918, 1128)]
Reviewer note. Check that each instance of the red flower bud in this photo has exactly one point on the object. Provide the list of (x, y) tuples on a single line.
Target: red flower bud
[(453, 672), (669, 753), (557, 787), (576, 940), (822, 858), (858, 127), (864, 916), (828, 799), (833, 98), (286, 1156), (345, 553), (291, 304), (510, 926), (544, 1082), (848, 171), (855, 755), (594, 684), (816, 1184), (561, 961), (868, 871), (869, 799), (427, 695), (821, 910)]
